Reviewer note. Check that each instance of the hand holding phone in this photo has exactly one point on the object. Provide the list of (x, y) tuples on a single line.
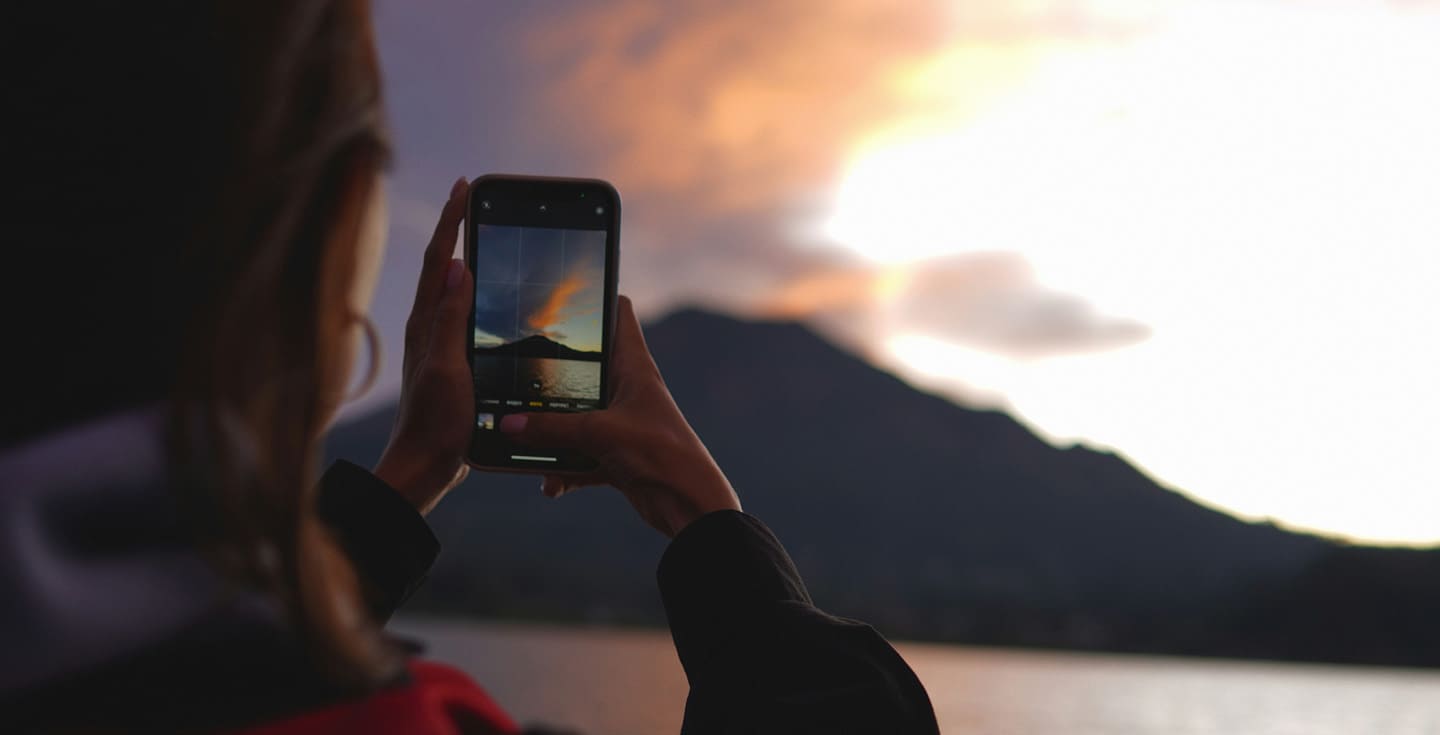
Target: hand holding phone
[(544, 255), (643, 445), (425, 457)]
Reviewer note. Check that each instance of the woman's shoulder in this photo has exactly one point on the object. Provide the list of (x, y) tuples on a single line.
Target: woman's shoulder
[(114, 618)]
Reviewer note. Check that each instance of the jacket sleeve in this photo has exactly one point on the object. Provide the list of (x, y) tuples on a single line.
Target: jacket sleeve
[(390, 544), (760, 657)]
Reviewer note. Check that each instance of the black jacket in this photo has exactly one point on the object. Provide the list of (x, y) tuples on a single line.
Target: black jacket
[(760, 657), (174, 647)]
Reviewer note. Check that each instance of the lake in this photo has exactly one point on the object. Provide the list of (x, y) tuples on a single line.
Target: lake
[(628, 682), (536, 378)]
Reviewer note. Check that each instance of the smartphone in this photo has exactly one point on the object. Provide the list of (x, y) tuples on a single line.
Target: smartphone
[(545, 254)]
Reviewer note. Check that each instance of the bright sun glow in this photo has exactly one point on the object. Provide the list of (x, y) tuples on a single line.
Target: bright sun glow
[(1257, 183)]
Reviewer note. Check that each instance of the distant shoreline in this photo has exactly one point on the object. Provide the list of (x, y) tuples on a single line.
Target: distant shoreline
[(539, 347)]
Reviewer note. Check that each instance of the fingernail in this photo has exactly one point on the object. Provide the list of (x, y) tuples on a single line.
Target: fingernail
[(514, 423), (454, 273), (458, 187)]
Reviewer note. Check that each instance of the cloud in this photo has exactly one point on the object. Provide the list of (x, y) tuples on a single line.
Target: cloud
[(553, 309), (727, 106), (989, 301), (993, 301), (483, 338), (731, 106)]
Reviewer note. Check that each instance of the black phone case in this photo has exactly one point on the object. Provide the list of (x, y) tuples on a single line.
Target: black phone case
[(568, 461)]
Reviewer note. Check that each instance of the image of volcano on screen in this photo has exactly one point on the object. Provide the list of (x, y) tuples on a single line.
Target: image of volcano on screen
[(539, 315)]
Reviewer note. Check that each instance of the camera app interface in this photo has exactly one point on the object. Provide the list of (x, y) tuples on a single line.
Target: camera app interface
[(539, 316)]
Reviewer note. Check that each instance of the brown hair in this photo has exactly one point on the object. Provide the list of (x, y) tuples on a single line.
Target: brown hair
[(200, 176)]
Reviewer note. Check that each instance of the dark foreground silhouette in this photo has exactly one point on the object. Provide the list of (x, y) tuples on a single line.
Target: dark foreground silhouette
[(134, 627), (940, 523)]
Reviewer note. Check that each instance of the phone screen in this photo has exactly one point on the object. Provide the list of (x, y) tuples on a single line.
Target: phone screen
[(543, 256)]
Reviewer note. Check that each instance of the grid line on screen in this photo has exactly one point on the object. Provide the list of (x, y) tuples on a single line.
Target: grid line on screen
[(540, 265)]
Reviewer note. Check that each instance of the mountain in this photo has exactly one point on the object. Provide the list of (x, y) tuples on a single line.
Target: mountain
[(538, 345), (924, 518)]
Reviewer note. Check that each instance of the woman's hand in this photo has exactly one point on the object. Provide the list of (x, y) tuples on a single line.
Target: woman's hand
[(426, 454), (643, 444)]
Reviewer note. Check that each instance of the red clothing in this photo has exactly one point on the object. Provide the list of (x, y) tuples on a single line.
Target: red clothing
[(438, 700)]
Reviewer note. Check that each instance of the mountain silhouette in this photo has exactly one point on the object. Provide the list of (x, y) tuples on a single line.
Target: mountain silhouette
[(925, 518), (538, 346)]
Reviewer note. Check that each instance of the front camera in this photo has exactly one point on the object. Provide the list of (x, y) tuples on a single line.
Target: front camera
[(542, 208), (485, 204), (599, 210)]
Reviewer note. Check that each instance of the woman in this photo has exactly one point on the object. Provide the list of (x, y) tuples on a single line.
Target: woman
[(198, 241)]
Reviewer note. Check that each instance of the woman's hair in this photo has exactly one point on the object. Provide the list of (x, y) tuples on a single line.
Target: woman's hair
[(194, 177)]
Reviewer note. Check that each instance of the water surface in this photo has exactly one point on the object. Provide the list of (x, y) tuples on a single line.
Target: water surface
[(623, 682), (535, 377)]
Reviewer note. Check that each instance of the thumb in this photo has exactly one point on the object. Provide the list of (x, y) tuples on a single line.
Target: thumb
[(447, 333), (587, 431)]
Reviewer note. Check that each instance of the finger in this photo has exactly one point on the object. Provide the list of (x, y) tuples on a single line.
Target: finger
[(446, 348), (591, 432), (554, 486), (460, 475), (442, 242), (632, 356), (429, 291)]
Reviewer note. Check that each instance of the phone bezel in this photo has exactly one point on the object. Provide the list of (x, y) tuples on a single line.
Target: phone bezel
[(568, 461)]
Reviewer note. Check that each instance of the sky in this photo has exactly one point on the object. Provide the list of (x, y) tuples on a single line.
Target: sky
[(539, 281), (1201, 233)]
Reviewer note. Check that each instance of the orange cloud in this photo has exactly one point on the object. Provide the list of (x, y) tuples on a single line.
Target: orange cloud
[(732, 107), (833, 290), (550, 312), (726, 106)]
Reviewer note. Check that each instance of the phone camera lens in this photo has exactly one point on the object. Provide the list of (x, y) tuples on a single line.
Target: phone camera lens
[(542, 208), (485, 204), (599, 210)]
